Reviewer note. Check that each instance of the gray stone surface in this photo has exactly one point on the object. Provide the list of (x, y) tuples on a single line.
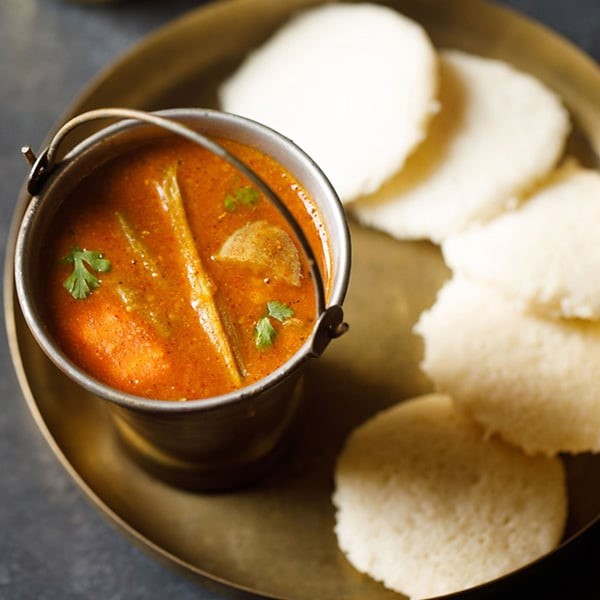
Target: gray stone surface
[(53, 543)]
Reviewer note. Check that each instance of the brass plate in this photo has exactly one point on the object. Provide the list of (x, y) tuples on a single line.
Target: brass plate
[(276, 538)]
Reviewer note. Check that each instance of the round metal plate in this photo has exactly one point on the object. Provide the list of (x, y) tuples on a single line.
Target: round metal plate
[(276, 538)]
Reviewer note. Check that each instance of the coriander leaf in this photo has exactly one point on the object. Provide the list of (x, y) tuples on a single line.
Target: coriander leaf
[(279, 311), (264, 333), (229, 203), (81, 282), (247, 195)]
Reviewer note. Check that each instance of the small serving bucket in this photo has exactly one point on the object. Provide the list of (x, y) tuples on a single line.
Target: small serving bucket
[(214, 443)]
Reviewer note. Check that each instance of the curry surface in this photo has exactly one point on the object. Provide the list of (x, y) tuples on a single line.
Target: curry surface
[(156, 346)]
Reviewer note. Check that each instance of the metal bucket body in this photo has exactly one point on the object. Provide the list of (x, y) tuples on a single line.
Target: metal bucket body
[(214, 443)]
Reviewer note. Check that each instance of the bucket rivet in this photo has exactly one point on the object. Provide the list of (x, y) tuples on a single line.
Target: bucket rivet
[(28, 154)]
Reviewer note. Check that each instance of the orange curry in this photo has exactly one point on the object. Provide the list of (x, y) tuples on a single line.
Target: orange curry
[(170, 276)]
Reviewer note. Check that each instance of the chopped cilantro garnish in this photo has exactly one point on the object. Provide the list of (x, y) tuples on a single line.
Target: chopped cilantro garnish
[(229, 203), (264, 332), (81, 282), (279, 311), (245, 195)]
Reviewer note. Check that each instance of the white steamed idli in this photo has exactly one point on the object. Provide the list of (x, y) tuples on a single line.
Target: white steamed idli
[(428, 506), (354, 85), (499, 131), (543, 254), (532, 379)]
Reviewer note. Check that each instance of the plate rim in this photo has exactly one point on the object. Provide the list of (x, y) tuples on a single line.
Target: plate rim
[(10, 302)]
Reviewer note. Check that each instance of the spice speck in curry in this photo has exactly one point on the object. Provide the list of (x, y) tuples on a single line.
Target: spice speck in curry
[(171, 276)]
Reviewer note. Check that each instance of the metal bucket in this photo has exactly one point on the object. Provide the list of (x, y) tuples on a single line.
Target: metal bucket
[(215, 443)]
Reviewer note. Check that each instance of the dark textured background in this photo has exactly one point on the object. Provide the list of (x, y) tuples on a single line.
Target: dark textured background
[(53, 543)]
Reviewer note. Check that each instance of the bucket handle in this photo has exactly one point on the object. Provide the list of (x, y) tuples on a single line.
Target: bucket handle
[(330, 323)]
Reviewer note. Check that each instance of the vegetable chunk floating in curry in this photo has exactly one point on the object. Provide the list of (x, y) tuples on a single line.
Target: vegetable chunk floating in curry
[(169, 275)]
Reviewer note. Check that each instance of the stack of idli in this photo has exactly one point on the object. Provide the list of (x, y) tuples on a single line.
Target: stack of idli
[(498, 133), (417, 143), (514, 336), (446, 491)]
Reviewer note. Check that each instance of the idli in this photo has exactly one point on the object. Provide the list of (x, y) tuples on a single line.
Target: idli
[(544, 253), (428, 506), (499, 131), (353, 84), (532, 379)]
